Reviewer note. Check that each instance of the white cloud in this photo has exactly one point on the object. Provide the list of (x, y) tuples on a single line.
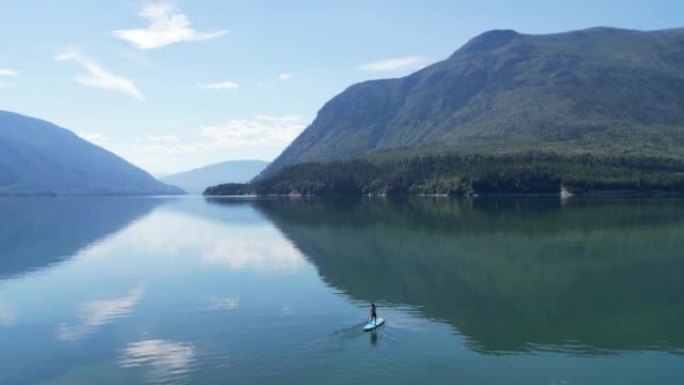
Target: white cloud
[(212, 142), (98, 77), (100, 139), (264, 130), (162, 139), (169, 361), (8, 72), (394, 64), (227, 85), (166, 26), (260, 131), (97, 313), (285, 76)]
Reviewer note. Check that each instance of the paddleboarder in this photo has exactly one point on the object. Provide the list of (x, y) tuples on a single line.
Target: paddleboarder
[(374, 315)]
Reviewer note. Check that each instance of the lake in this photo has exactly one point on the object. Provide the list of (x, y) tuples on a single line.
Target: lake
[(126, 290)]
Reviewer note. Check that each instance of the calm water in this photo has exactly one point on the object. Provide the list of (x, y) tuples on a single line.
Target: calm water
[(189, 291)]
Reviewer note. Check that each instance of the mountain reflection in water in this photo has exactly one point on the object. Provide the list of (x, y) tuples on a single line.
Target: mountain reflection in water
[(37, 232), (511, 275)]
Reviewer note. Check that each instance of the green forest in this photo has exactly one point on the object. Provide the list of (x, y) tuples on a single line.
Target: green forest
[(522, 173)]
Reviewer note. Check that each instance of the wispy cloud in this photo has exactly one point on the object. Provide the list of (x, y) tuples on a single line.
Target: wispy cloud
[(170, 139), (8, 72), (260, 131), (227, 85), (98, 77), (285, 76), (166, 26), (237, 137), (95, 137), (394, 64), (264, 130)]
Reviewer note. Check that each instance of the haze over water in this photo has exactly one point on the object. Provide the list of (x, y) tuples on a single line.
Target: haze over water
[(484, 291)]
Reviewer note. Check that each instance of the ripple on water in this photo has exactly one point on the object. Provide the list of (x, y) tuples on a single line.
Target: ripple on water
[(166, 362)]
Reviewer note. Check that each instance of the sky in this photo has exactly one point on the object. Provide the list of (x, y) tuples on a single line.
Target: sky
[(175, 85)]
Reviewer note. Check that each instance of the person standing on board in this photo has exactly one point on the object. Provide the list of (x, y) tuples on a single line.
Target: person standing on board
[(374, 315)]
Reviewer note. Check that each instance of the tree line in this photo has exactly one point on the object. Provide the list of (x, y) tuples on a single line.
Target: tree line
[(519, 173)]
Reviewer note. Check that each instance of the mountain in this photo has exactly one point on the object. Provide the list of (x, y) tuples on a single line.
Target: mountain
[(595, 91), (38, 157), (236, 171)]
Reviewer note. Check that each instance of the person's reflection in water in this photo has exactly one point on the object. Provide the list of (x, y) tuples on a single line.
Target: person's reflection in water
[(374, 337)]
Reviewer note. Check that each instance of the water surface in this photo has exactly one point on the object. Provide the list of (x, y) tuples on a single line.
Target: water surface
[(484, 291)]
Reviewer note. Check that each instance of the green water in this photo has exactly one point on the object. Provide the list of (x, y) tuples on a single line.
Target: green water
[(483, 291)]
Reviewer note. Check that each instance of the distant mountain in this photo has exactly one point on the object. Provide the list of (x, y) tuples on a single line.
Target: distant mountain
[(596, 91), (234, 171), (38, 157)]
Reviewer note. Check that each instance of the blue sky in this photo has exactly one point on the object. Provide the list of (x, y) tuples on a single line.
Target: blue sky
[(174, 85)]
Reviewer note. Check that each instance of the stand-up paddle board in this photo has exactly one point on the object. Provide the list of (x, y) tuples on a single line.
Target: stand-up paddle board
[(372, 325)]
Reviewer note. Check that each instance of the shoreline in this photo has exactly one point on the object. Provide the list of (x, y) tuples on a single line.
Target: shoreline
[(560, 196)]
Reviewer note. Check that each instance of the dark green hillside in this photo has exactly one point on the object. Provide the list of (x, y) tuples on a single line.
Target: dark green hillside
[(519, 173), (598, 91)]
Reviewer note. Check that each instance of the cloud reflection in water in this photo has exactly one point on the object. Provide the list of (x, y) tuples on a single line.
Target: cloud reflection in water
[(225, 303), (94, 314), (234, 246), (169, 361), (237, 254), (7, 315)]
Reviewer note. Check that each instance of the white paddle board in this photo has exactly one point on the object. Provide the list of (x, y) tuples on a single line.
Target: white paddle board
[(372, 325)]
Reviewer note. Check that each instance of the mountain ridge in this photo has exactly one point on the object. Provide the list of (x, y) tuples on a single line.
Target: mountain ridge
[(232, 171), (598, 90), (40, 158)]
